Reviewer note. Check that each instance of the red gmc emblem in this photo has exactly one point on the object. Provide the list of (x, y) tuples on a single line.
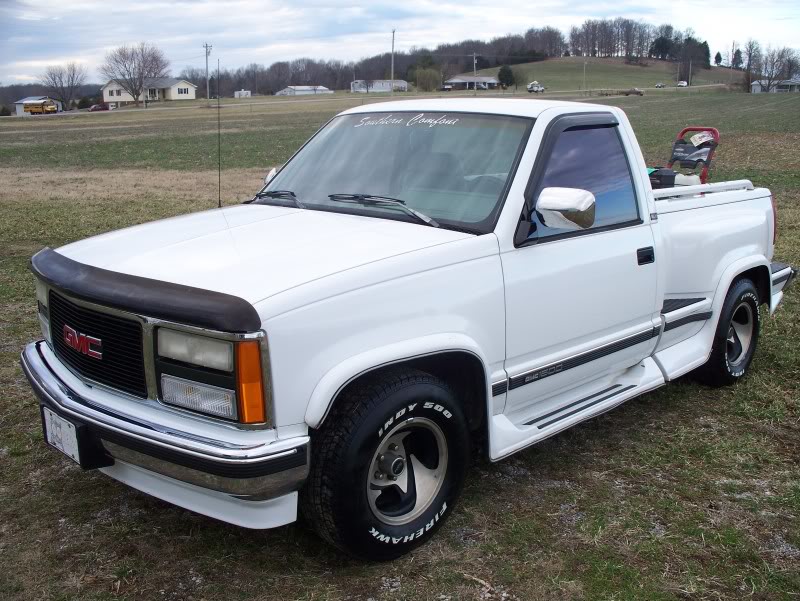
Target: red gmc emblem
[(88, 345)]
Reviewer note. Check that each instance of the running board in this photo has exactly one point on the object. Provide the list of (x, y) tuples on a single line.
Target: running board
[(507, 437), (584, 403)]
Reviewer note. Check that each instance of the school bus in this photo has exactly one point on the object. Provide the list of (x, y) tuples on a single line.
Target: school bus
[(41, 107)]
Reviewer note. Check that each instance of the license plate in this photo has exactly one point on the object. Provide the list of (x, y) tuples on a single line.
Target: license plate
[(61, 434)]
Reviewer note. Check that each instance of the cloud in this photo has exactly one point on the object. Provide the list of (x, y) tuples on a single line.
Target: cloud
[(264, 31)]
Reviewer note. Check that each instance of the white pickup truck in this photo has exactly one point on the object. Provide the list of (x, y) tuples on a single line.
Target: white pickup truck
[(419, 275)]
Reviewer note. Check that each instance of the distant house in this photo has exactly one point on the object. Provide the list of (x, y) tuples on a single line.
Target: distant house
[(303, 91), (37, 105), (471, 82), (241, 94), (160, 88), (378, 85), (785, 85)]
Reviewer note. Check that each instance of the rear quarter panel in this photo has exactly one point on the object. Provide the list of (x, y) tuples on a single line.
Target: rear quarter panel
[(699, 245)]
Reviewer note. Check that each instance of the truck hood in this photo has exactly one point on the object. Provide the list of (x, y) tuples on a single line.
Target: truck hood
[(253, 251)]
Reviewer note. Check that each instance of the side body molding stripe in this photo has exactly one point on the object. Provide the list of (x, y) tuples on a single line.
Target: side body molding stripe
[(499, 388), (673, 304), (688, 319), (549, 370)]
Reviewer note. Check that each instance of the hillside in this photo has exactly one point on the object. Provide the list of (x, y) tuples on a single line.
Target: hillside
[(567, 73)]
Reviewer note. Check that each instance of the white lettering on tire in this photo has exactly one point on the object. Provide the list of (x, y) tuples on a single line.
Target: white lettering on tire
[(385, 538), (408, 409), (438, 408)]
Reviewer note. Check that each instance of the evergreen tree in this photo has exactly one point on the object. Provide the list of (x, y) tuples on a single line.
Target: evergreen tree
[(506, 76), (737, 59), (717, 59)]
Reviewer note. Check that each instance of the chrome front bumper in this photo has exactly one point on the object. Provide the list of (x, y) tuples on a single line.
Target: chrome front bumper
[(247, 470)]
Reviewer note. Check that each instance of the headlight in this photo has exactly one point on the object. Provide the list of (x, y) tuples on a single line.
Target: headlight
[(197, 350), (43, 310), (212, 376)]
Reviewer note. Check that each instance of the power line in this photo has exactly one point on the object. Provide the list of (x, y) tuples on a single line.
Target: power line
[(186, 58)]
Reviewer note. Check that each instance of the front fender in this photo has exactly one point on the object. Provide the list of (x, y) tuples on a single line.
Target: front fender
[(338, 377)]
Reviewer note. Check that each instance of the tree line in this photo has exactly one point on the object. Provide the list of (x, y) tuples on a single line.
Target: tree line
[(634, 40)]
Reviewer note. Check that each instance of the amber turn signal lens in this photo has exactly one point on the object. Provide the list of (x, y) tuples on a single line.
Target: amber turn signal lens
[(249, 383)]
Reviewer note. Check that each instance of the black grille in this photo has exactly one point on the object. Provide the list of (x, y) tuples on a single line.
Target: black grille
[(122, 364)]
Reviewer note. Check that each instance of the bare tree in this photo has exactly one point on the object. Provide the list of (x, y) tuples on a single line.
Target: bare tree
[(752, 62), (63, 81), (132, 66), (773, 66), (791, 64)]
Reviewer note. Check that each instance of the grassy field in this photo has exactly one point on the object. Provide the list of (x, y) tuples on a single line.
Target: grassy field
[(567, 74), (685, 493)]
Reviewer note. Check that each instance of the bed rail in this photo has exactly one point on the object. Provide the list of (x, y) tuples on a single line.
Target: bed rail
[(688, 191)]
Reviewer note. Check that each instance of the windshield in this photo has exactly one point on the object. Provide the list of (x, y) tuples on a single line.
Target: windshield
[(452, 167)]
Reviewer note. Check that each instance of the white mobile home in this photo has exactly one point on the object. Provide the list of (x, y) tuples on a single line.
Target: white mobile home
[(303, 91), (364, 86), (471, 82), (782, 86)]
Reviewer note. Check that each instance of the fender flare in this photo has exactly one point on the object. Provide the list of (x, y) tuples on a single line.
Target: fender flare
[(329, 386), (730, 273)]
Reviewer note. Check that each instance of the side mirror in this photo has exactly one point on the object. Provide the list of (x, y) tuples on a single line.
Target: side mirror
[(270, 174), (566, 208)]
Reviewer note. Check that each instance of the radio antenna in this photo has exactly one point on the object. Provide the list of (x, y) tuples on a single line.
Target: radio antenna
[(219, 146)]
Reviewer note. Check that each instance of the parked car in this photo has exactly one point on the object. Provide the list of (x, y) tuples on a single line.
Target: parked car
[(446, 88), (682, 84), (660, 85), (337, 341), (99, 107), (634, 92), (535, 88)]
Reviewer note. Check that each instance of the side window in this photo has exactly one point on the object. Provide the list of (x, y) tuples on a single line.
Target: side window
[(593, 159)]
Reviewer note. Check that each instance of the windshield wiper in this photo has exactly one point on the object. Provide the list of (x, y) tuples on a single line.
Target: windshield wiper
[(281, 194), (372, 199)]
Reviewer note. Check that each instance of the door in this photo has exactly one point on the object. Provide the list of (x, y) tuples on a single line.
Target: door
[(580, 305)]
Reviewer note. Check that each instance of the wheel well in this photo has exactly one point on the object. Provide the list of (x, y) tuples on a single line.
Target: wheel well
[(460, 369), (762, 278)]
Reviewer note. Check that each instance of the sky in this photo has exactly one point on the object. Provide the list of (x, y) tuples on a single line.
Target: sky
[(38, 33)]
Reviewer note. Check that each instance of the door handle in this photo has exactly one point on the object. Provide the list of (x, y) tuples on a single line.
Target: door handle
[(646, 255)]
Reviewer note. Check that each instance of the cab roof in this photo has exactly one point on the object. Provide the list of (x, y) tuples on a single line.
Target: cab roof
[(519, 107)]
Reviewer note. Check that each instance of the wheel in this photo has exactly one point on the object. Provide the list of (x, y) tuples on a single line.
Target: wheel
[(736, 337), (387, 465)]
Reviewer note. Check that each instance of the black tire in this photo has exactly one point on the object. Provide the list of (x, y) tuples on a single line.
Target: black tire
[(392, 404), (728, 362)]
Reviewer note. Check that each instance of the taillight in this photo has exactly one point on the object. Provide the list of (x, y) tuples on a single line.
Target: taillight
[(774, 220)]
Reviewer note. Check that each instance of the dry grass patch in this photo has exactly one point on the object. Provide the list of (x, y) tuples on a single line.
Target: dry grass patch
[(126, 185)]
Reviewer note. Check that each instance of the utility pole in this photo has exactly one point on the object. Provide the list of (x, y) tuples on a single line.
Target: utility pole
[(677, 73), (690, 71), (392, 84), (475, 74), (208, 51), (730, 63), (584, 76)]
